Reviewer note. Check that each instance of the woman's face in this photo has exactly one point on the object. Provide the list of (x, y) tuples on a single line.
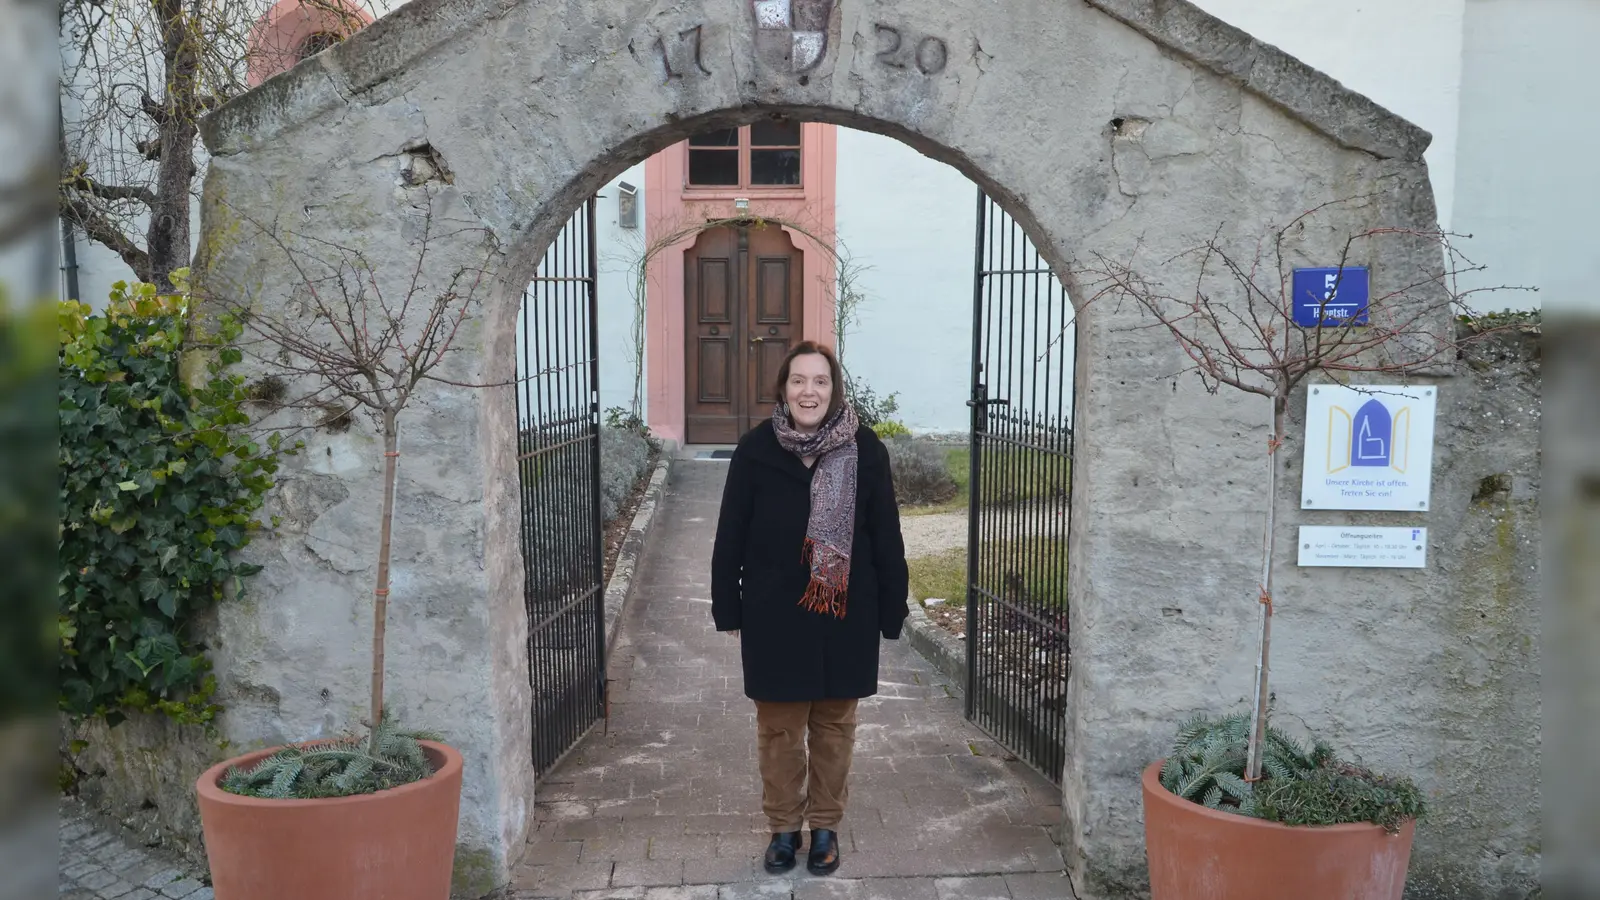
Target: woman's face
[(808, 390)]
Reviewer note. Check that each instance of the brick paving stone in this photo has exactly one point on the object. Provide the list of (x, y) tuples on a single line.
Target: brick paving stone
[(831, 889), (115, 890), (682, 892), (757, 890), (899, 889), (180, 889), (987, 888), (78, 870), (648, 873), (162, 878), (97, 879), (731, 870), (99, 860), (1040, 886), (551, 852)]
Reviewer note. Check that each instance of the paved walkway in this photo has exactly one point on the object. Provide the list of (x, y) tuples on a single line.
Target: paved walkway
[(100, 861), (665, 804)]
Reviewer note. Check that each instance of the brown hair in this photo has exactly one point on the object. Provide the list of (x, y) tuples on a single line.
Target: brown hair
[(836, 402)]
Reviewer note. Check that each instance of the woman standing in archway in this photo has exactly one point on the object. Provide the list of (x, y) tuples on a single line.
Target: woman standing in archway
[(809, 569)]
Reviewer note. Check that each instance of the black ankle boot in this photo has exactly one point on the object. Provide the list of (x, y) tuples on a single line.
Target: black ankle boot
[(824, 855), (780, 852)]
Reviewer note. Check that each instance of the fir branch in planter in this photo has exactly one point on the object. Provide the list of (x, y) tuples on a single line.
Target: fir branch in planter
[(343, 767), (1298, 786), (1208, 759), (1341, 793)]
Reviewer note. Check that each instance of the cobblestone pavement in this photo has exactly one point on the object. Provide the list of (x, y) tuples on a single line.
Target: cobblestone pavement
[(665, 803), (100, 862)]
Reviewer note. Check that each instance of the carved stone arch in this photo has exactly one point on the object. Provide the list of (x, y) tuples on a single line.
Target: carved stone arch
[(1117, 127)]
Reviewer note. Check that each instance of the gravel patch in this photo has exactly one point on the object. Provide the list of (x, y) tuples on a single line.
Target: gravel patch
[(933, 534)]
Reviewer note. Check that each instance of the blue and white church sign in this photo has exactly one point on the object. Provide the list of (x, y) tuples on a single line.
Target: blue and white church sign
[(1332, 296), (1368, 447)]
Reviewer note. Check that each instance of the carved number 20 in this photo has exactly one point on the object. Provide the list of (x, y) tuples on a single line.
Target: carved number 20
[(931, 56)]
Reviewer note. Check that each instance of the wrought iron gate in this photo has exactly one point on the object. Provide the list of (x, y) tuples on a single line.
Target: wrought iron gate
[(558, 464), (1023, 342)]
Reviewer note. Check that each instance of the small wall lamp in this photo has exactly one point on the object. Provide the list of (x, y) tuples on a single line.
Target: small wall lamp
[(627, 205)]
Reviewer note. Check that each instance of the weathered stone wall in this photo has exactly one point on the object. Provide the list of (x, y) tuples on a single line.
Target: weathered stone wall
[(1463, 708), (1109, 127)]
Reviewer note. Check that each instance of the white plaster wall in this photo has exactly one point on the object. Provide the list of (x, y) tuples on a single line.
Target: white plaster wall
[(620, 250), (1526, 186), (617, 252), (909, 220), (1403, 55)]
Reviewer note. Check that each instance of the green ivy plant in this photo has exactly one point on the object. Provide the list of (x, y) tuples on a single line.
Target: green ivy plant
[(159, 486)]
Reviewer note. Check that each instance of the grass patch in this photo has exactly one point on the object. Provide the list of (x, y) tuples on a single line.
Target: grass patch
[(1043, 558), (942, 575), (1011, 474)]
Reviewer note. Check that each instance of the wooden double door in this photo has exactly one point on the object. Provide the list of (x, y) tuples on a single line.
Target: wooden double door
[(742, 297)]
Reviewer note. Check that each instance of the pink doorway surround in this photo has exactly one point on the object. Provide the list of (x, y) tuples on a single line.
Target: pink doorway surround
[(670, 206)]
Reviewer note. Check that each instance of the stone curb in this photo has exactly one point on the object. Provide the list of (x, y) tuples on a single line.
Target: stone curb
[(944, 650), (621, 583)]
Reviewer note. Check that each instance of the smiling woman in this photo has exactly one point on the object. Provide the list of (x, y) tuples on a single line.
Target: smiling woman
[(809, 570), (812, 385)]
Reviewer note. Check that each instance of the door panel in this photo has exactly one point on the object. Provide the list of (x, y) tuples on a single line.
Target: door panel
[(711, 299), (772, 290), (774, 306), (716, 287), (715, 364), (742, 292), (769, 355)]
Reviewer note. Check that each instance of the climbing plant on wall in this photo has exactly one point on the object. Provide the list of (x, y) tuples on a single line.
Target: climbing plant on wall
[(159, 487), (679, 232)]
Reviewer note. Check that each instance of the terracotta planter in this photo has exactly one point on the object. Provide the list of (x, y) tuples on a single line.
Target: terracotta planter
[(397, 844), (1201, 854)]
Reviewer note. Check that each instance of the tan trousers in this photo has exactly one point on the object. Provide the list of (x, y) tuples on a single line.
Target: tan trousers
[(798, 786)]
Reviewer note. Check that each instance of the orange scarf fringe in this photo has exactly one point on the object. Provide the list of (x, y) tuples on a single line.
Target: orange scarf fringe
[(827, 591)]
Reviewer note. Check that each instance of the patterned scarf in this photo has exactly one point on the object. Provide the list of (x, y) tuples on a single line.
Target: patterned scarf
[(831, 526)]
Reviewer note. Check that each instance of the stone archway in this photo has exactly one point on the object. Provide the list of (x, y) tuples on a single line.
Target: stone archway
[(1102, 126)]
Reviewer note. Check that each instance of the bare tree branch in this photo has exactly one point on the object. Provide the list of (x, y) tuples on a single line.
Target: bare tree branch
[(137, 77)]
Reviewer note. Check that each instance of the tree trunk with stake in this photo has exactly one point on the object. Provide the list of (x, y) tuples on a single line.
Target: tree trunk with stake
[(380, 605), (1258, 717)]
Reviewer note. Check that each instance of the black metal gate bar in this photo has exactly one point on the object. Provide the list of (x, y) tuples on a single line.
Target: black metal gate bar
[(558, 467), (1023, 341)]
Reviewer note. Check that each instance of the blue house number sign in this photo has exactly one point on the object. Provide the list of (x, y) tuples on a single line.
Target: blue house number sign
[(1337, 294)]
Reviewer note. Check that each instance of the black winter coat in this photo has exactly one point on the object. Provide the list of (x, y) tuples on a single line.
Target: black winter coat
[(758, 575)]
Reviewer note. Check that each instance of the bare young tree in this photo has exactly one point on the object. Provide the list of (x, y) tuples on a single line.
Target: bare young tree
[(357, 338), (1236, 327), (137, 78)]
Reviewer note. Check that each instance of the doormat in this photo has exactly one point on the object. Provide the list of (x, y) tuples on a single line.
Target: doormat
[(714, 454)]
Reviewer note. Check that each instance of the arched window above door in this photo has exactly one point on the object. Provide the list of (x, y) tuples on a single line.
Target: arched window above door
[(295, 30)]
